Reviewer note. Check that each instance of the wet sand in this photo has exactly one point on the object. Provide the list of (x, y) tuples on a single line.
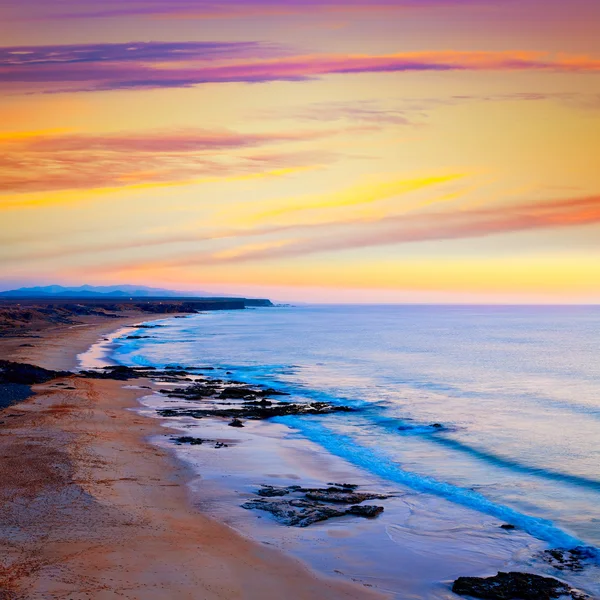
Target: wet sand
[(91, 509)]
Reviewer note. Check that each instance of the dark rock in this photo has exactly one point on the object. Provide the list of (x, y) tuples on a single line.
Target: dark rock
[(346, 486), (186, 439), (507, 526), (235, 423), (570, 559), (123, 373), (512, 586), (192, 441), (341, 496), (368, 511), (269, 491), (237, 392), (171, 412), (23, 373), (197, 391), (252, 411), (263, 402), (272, 392), (302, 513)]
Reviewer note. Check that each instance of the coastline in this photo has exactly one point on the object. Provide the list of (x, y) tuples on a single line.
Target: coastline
[(416, 548), (92, 509)]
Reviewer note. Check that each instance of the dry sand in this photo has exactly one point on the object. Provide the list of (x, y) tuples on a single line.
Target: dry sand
[(90, 509)]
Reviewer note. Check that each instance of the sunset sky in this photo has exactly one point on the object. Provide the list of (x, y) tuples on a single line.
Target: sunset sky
[(311, 150)]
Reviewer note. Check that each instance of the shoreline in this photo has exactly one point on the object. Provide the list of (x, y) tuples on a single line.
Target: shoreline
[(91, 509), (415, 549)]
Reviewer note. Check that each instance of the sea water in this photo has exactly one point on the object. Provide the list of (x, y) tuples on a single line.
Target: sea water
[(492, 408)]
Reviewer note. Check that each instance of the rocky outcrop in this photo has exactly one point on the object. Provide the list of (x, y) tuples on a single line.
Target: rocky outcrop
[(515, 586), (23, 373), (339, 496), (120, 373), (298, 512), (257, 412), (570, 559), (310, 505), (192, 441)]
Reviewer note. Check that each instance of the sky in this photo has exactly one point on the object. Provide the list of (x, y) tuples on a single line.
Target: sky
[(304, 150)]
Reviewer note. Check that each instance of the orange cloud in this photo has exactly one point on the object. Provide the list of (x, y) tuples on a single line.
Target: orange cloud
[(45, 161)]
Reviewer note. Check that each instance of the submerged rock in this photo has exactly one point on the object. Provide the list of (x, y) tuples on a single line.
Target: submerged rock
[(192, 441), (514, 586), (570, 559)]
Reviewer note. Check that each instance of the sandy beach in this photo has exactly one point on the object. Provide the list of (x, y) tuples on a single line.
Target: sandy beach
[(90, 509)]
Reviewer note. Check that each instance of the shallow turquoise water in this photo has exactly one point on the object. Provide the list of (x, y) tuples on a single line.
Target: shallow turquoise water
[(515, 392)]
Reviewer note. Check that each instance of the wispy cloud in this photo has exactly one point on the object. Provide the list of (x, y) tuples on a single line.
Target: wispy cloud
[(408, 228), (371, 112), (414, 111), (223, 9), (329, 207), (42, 161), (438, 225), (22, 56), (275, 242), (91, 71)]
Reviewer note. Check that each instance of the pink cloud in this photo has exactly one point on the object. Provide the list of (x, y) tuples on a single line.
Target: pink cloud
[(94, 72)]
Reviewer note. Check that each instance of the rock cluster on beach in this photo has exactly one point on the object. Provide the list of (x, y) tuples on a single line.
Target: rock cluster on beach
[(193, 441), (239, 401), (515, 586), (16, 379), (23, 373), (570, 559), (297, 506)]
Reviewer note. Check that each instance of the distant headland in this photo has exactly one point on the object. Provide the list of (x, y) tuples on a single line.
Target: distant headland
[(42, 306)]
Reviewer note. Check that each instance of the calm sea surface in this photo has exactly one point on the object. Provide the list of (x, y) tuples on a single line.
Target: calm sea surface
[(494, 408)]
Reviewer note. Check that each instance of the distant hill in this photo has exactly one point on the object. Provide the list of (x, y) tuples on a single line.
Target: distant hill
[(92, 291)]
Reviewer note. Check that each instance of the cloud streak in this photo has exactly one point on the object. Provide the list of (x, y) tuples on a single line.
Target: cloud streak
[(68, 54), (423, 227), (224, 9), (38, 163), (106, 67), (351, 233), (413, 111)]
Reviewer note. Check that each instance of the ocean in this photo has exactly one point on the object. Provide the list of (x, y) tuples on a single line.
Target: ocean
[(492, 409)]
